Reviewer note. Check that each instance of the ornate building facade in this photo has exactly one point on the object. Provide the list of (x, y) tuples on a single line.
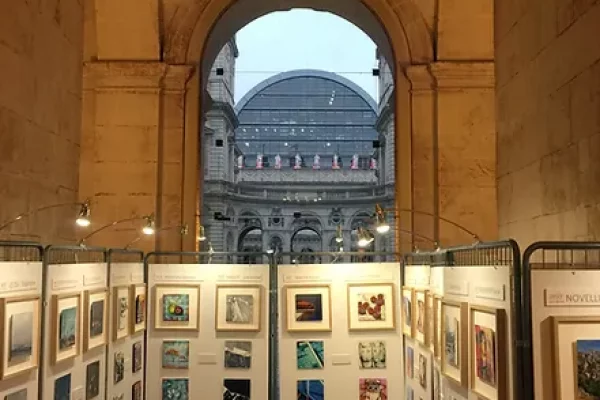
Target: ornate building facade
[(301, 154)]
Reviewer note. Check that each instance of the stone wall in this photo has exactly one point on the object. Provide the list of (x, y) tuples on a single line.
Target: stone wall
[(548, 107), (41, 45)]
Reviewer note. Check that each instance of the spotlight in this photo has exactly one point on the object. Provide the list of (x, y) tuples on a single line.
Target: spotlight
[(83, 219), (382, 225), (364, 237), (201, 234), (149, 228), (339, 237), (270, 251)]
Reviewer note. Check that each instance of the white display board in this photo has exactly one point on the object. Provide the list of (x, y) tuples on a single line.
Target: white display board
[(206, 371), (340, 369), (72, 280), (124, 275), (21, 279), (482, 286), (556, 294)]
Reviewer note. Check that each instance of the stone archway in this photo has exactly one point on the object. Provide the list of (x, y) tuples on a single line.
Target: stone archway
[(143, 80)]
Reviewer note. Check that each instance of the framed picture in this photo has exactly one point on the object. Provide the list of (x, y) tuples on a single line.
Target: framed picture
[(409, 361), (20, 328), (372, 388), (138, 308), (421, 317), (372, 354), (175, 354), (310, 354), (437, 326), (238, 354), (66, 319), (137, 356), (92, 380), (176, 307), (62, 388), (136, 391), (238, 308), (175, 389), (430, 321), (310, 389), (120, 312), (408, 315), (423, 370), (575, 350), (437, 382), (488, 352), (18, 395), (454, 361), (94, 319), (371, 307), (308, 308), (118, 367), (236, 389)]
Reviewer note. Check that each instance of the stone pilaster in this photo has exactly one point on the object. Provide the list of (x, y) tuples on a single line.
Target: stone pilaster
[(466, 157), (133, 141)]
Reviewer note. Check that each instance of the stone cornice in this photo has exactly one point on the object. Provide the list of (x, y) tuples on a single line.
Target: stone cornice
[(135, 75), (462, 75), (420, 78)]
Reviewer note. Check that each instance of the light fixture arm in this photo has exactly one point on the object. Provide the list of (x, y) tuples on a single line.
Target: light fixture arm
[(40, 209), (117, 222), (183, 230)]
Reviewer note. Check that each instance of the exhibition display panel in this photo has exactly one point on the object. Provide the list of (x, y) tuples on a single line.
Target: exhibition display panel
[(208, 331)]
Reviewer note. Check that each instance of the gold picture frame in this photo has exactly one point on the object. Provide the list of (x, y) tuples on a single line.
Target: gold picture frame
[(408, 311), (139, 312), (437, 327), (455, 342), (121, 308), (559, 378), (183, 312), (377, 311), (22, 357), (487, 332), (91, 297), (230, 317), (302, 303), (421, 315), (66, 322)]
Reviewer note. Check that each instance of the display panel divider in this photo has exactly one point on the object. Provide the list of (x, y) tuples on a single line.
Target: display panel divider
[(126, 268), (567, 256), (21, 283), (220, 260), (86, 272)]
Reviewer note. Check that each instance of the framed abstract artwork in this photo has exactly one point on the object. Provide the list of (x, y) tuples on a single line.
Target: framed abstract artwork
[(20, 327), (308, 308), (175, 389), (372, 388), (575, 349), (92, 380), (238, 308), (237, 354), (62, 388), (437, 327), (177, 307), (421, 317), (95, 319), (175, 354), (137, 355), (136, 391), (408, 311), (238, 389), (66, 317), (371, 307), (121, 310), (138, 314), (310, 389), (488, 352), (454, 359)]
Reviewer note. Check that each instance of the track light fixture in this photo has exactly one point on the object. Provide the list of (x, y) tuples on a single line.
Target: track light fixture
[(339, 237), (201, 234), (364, 237), (83, 219), (382, 226), (149, 227)]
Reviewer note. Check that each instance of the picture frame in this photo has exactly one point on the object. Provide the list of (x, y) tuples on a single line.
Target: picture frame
[(308, 308), (437, 327), (408, 311), (175, 354), (176, 388), (176, 307), (120, 312), (572, 337), (455, 351), (20, 332), (139, 308), (371, 306), (421, 317), (238, 308), (95, 319), (66, 326), (430, 304), (488, 349)]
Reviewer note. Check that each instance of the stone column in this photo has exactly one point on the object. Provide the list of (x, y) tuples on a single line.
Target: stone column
[(134, 150), (466, 157), (424, 155)]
